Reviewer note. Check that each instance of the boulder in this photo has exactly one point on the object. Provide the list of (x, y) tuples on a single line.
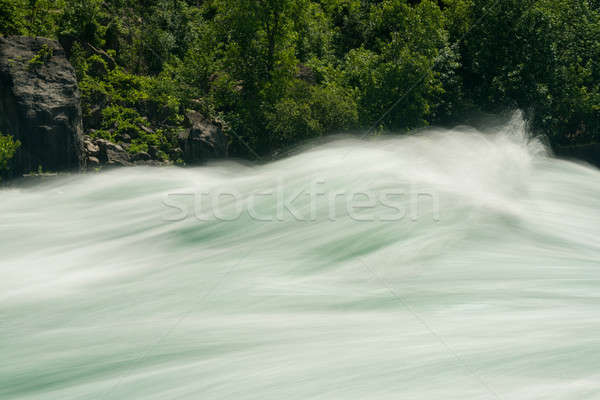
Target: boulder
[(176, 154), (141, 156), (93, 161), (306, 74), (117, 158), (40, 104), (153, 151), (203, 139), (112, 154), (102, 152), (90, 148), (151, 163)]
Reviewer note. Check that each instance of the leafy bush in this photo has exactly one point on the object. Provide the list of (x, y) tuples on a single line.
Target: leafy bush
[(540, 56), (8, 148), (79, 23), (11, 18), (43, 55), (141, 112), (310, 111)]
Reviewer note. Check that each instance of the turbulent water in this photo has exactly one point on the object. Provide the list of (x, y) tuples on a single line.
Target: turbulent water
[(452, 264)]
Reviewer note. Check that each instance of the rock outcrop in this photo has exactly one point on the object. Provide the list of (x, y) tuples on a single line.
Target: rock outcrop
[(202, 139), (40, 104), (103, 152)]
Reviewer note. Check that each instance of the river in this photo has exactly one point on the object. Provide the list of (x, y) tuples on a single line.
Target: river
[(450, 264)]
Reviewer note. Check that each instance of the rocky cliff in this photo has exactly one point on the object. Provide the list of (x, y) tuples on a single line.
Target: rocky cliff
[(40, 104)]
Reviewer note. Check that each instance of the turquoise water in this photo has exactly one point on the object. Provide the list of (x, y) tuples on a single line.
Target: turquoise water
[(453, 264)]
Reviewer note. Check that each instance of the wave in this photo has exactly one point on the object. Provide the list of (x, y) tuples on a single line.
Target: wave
[(454, 264)]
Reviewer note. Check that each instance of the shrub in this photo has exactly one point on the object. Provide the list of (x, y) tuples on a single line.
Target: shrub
[(11, 18), (79, 23), (310, 111), (43, 55), (8, 148)]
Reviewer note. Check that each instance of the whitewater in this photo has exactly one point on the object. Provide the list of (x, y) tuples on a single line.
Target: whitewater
[(449, 264)]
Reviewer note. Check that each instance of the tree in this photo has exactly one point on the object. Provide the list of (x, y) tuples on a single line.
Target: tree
[(540, 56), (80, 23), (396, 70), (11, 18)]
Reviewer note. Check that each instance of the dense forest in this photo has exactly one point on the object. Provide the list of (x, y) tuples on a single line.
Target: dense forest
[(276, 72)]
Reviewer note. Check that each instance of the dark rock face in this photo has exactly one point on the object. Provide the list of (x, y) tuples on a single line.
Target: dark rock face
[(203, 139), (586, 152), (101, 151), (142, 156), (40, 104)]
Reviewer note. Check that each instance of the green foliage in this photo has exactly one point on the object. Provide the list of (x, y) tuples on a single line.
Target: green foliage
[(281, 71), (80, 23), (8, 148), (29, 17), (540, 56), (11, 17), (311, 111), (43, 55), (350, 23), (140, 112), (396, 70), (40, 16)]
